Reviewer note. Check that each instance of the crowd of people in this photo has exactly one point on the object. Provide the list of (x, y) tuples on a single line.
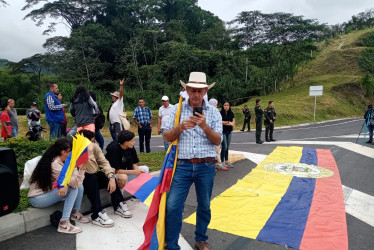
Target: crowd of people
[(204, 135)]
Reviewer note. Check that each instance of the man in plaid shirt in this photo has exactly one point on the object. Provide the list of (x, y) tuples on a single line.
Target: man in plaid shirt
[(143, 118), (198, 133)]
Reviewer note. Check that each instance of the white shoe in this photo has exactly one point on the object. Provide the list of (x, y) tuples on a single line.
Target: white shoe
[(123, 211), (103, 220)]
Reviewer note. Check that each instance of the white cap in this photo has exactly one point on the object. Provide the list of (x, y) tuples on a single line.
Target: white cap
[(165, 98)]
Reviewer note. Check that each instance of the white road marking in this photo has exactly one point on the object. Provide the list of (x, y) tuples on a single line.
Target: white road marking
[(354, 147), (357, 204), (290, 128), (125, 234)]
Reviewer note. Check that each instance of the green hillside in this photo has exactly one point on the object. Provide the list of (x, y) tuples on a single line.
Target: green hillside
[(336, 68)]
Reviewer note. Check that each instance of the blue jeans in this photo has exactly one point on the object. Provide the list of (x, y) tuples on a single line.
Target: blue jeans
[(14, 132), (225, 146), (166, 144), (112, 132), (54, 130), (73, 200), (99, 138), (370, 130), (186, 173)]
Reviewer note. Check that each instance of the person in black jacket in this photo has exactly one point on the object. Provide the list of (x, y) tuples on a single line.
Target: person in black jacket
[(270, 117), (369, 122), (247, 118), (259, 112)]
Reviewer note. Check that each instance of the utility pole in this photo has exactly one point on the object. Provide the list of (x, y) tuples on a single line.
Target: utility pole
[(246, 69)]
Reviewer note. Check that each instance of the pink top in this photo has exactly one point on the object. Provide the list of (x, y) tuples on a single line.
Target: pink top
[(76, 178)]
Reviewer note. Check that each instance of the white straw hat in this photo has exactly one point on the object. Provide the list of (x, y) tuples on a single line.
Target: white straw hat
[(197, 80)]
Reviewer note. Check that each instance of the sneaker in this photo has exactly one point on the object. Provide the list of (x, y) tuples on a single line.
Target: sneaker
[(272, 140), (67, 228), (123, 211), (242, 130), (222, 167), (78, 216), (369, 142), (228, 164), (103, 220)]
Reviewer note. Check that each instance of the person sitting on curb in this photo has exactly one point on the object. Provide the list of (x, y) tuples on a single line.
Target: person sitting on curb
[(100, 174), (42, 194), (123, 157)]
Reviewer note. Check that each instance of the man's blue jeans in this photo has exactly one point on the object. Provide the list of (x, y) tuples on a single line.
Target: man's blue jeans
[(14, 132), (166, 144), (54, 130), (186, 173)]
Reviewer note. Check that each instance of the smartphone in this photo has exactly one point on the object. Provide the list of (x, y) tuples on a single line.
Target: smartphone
[(197, 110)]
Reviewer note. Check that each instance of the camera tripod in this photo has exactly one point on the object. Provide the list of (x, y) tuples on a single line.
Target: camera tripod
[(366, 123)]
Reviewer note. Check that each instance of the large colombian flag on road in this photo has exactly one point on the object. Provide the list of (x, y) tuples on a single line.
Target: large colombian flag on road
[(294, 198), (154, 225)]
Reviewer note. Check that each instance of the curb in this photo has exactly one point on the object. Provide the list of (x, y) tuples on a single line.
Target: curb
[(14, 224)]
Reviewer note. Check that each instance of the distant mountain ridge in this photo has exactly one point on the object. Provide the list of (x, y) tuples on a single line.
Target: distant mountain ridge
[(3, 62)]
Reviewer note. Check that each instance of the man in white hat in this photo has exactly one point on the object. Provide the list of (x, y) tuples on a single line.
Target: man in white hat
[(198, 133), (115, 109), (163, 117)]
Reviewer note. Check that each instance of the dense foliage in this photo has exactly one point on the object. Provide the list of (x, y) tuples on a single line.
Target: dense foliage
[(156, 43)]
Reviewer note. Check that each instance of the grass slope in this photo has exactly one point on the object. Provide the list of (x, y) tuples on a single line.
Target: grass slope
[(336, 68)]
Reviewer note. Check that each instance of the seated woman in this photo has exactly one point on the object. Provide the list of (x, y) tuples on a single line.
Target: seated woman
[(42, 194)]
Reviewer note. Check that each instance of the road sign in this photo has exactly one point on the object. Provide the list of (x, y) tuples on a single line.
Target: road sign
[(315, 91)]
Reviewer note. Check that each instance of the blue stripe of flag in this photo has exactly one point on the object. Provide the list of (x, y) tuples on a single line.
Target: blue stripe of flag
[(287, 223), (146, 189)]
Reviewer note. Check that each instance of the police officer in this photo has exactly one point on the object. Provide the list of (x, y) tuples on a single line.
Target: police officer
[(270, 117), (258, 112)]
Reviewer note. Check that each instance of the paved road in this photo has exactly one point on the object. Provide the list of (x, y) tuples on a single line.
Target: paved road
[(355, 163)]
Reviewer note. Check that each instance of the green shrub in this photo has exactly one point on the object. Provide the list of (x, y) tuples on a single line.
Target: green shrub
[(24, 202), (367, 40), (25, 150), (368, 82), (366, 60)]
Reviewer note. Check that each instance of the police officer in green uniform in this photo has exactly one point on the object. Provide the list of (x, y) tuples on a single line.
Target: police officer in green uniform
[(258, 112), (270, 117)]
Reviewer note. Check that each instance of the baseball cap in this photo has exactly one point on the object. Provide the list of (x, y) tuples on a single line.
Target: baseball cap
[(165, 98), (33, 104)]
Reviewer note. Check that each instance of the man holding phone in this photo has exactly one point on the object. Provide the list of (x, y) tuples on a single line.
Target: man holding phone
[(200, 129)]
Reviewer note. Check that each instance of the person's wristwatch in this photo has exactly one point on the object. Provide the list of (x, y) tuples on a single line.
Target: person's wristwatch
[(113, 176)]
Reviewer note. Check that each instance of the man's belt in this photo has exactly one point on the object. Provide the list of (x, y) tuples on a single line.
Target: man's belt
[(200, 160)]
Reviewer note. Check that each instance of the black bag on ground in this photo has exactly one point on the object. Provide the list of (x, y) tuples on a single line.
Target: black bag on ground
[(100, 119), (9, 186), (55, 218)]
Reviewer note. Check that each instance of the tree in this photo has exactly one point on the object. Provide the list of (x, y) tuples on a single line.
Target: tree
[(33, 67), (73, 13)]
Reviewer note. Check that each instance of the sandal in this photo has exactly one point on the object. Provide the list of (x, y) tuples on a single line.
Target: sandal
[(222, 167)]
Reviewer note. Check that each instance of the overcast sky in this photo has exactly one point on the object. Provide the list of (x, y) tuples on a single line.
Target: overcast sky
[(21, 38)]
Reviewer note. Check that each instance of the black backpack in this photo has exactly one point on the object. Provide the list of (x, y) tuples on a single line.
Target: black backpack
[(55, 218), (100, 119)]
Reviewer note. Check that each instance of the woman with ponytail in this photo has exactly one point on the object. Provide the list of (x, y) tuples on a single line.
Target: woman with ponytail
[(43, 194)]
